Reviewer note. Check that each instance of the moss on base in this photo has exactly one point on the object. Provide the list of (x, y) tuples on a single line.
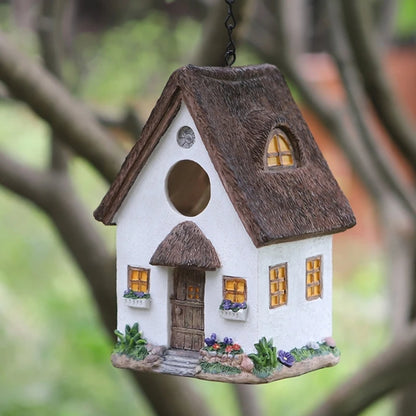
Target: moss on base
[(299, 368)]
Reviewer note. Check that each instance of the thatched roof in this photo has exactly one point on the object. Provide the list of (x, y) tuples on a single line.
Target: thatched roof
[(186, 246), (234, 110)]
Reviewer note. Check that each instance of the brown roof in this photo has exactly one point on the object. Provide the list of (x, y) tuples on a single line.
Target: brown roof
[(186, 246), (234, 110)]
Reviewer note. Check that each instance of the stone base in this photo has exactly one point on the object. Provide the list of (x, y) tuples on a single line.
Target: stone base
[(179, 365)]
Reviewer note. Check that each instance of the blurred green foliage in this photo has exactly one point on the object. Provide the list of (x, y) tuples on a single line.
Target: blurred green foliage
[(130, 60), (54, 352), (406, 19)]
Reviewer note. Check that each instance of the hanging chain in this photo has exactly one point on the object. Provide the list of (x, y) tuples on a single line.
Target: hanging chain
[(230, 24)]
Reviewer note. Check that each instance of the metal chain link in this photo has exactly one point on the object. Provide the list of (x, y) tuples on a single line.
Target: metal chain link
[(230, 24)]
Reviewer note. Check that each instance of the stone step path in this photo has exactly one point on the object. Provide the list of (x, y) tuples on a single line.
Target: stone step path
[(179, 362)]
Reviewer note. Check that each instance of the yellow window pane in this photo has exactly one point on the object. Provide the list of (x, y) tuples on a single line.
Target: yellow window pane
[(282, 286), (143, 276), (273, 161), (229, 296), (309, 291), (240, 286), (273, 287), (309, 278), (273, 274), (273, 145), (316, 276), (317, 290), (317, 263), (135, 287), (134, 275), (190, 292), (284, 145), (287, 160), (240, 298), (309, 265), (142, 287), (282, 272), (274, 300), (229, 284)]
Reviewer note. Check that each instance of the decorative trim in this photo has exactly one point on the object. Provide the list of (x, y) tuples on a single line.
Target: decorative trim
[(137, 303), (240, 315)]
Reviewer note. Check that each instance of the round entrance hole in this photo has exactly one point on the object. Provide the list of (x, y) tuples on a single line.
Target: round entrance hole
[(188, 188)]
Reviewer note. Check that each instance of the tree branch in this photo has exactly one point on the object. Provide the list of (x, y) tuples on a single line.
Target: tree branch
[(22, 180), (68, 118), (358, 110), (392, 369), (128, 122), (247, 400), (50, 39), (376, 82)]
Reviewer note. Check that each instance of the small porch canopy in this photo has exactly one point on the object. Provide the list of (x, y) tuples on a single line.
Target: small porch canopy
[(186, 246)]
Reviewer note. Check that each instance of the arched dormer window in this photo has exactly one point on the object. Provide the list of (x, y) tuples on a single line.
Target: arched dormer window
[(279, 151)]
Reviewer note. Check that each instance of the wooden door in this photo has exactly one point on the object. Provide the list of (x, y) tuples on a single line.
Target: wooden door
[(187, 305)]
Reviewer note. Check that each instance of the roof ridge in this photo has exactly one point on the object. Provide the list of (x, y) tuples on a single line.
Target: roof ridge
[(237, 73)]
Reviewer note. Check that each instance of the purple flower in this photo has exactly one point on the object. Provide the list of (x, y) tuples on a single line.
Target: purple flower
[(126, 292), (286, 358), (139, 294), (226, 304), (211, 340), (228, 341)]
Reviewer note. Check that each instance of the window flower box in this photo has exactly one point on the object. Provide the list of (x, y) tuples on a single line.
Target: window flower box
[(136, 299), (143, 303), (240, 315), (234, 311)]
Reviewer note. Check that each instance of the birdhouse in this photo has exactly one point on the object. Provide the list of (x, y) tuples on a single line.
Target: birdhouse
[(225, 210)]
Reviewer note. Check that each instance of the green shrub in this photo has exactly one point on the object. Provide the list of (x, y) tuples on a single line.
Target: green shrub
[(265, 360), (131, 343)]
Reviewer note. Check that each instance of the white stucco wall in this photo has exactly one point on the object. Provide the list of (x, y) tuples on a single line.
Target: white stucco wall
[(146, 217), (300, 321)]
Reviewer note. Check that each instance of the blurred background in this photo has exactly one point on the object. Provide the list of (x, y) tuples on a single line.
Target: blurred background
[(351, 66)]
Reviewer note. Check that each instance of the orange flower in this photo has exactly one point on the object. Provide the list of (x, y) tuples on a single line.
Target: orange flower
[(228, 348), (236, 347), (216, 346)]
